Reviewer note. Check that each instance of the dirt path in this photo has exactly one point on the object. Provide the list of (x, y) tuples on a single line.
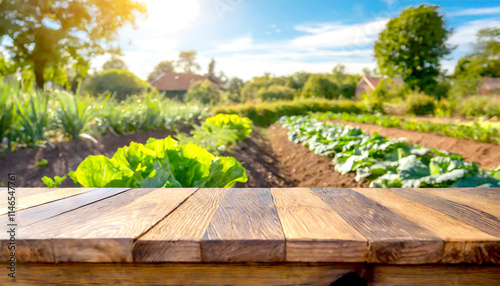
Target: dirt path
[(485, 153), (307, 169)]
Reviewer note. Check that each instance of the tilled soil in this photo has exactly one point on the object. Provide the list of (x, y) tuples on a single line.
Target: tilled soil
[(487, 154), (306, 168)]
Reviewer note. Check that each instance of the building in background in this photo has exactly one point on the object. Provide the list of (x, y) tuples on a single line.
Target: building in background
[(175, 85)]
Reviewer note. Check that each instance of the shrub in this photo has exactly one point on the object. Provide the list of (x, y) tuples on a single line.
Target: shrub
[(480, 106), (265, 114), (419, 103), (204, 92), (445, 108), (122, 83), (276, 92), (320, 86)]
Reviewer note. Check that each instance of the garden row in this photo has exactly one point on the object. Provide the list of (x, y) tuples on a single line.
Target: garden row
[(385, 162), (30, 118), (165, 163), (477, 130)]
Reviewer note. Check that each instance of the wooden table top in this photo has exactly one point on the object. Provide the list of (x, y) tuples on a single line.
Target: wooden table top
[(386, 226)]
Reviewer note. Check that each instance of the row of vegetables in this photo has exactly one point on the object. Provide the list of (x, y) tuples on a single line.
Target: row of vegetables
[(165, 163), (482, 131), (386, 162)]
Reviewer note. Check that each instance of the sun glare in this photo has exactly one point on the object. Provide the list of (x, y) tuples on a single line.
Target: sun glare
[(171, 15)]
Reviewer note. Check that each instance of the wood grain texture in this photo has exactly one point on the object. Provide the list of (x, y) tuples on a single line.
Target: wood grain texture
[(392, 238), (34, 197), (490, 205), (38, 213), (103, 231), (479, 219), (462, 242), (179, 274), (178, 236), (314, 232), (245, 227), (426, 275)]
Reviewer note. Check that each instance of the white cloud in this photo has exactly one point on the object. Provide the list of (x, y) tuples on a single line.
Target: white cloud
[(338, 35), (465, 34), (476, 12)]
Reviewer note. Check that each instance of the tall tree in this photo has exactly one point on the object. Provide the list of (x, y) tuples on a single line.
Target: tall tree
[(412, 45), (115, 63), (49, 35), (161, 67), (187, 61), (211, 67)]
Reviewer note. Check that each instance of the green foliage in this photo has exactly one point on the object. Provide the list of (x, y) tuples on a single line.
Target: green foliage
[(34, 118), (385, 162), (419, 103), (479, 106), (220, 132), (115, 64), (161, 163), (53, 183), (412, 45), (8, 112), (121, 83), (42, 163), (346, 82), (252, 87), (47, 36), (445, 108), (205, 92), (265, 114), (318, 86), (276, 92), (187, 61), (234, 86), (475, 131), (160, 68), (73, 114)]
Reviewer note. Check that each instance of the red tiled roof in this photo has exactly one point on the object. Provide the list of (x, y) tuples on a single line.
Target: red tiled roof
[(491, 83), (180, 81)]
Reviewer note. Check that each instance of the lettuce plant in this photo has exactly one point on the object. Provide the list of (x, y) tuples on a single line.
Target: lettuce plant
[(160, 163)]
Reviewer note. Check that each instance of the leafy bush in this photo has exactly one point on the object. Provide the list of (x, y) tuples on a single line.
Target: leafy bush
[(34, 118), (8, 112), (320, 86), (419, 103), (73, 114), (480, 106), (276, 92), (122, 83), (265, 114), (387, 163), (204, 92), (161, 163), (445, 108), (219, 132)]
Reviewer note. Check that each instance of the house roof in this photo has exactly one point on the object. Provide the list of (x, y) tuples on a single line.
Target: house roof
[(491, 83), (373, 81), (170, 81)]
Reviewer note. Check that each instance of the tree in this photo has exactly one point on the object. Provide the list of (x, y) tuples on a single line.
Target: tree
[(412, 44), (367, 71), (203, 91), (211, 67), (115, 63), (49, 35), (122, 83), (161, 68), (187, 61), (320, 86)]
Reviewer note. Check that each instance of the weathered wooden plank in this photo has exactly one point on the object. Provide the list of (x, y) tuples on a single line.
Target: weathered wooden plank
[(314, 232), (178, 236), (180, 274), (489, 205), (245, 227), (462, 242), (486, 193), (481, 220), (35, 197), (392, 238), (391, 275), (100, 232)]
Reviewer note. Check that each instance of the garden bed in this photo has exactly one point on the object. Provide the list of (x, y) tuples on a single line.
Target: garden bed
[(485, 153)]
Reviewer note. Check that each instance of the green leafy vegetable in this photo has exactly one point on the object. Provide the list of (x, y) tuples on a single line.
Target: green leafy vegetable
[(53, 183)]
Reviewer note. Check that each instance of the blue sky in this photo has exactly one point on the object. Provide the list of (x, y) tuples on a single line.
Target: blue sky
[(250, 37)]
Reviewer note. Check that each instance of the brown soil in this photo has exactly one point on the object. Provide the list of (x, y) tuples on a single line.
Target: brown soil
[(306, 168), (64, 157), (485, 153), (263, 168)]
